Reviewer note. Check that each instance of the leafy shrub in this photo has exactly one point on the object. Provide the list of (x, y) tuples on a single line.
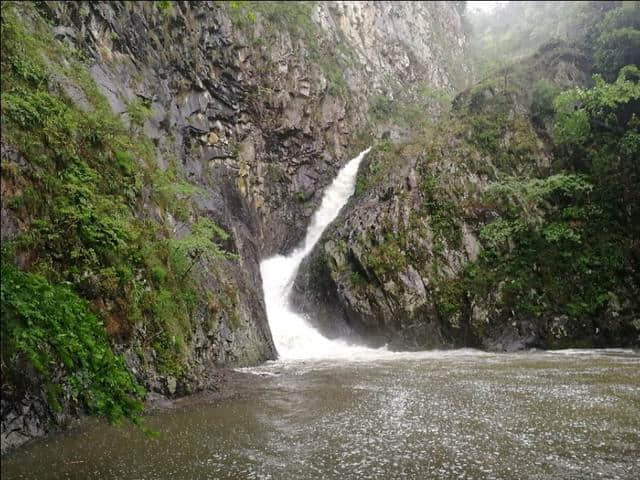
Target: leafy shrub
[(199, 245), (544, 93), (618, 42), (164, 6), (54, 328), (563, 243)]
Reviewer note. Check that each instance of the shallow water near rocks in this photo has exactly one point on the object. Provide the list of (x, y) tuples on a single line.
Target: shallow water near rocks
[(459, 414)]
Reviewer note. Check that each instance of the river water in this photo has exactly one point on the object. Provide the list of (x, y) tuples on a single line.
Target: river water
[(330, 410), (440, 415)]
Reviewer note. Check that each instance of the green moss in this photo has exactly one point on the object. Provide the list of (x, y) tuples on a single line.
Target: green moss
[(165, 6), (159, 274), (139, 112), (357, 279), (302, 197), (55, 330), (450, 300), (388, 257), (295, 18), (443, 212)]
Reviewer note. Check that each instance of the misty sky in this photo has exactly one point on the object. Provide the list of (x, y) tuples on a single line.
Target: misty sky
[(484, 6)]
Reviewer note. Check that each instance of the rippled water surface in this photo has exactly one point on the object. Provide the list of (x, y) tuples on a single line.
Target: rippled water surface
[(563, 415)]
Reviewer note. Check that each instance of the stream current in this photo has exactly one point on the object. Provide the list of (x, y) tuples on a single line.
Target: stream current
[(330, 410)]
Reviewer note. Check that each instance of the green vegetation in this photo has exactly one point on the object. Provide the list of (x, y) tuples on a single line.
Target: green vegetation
[(618, 42), (442, 212), (598, 132), (565, 244), (357, 279), (55, 330), (294, 17), (138, 112), (541, 108), (539, 162), (548, 232), (388, 257), (408, 107), (197, 246), (164, 6), (515, 30), (79, 195), (302, 197), (172, 192), (449, 299), (376, 166)]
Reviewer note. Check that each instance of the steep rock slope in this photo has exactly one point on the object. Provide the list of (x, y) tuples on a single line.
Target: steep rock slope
[(427, 254), (198, 138)]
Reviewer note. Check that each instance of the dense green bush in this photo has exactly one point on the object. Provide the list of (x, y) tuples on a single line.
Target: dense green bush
[(544, 93), (55, 330), (563, 244), (618, 42)]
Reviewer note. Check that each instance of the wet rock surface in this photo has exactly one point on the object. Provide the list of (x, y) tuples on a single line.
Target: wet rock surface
[(392, 269)]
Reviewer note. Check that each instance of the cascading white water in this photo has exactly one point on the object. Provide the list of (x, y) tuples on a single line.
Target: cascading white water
[(293, 336)]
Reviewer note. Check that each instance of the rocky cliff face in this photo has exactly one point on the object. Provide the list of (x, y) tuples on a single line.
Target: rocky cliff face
[(410, 262), (403, 41), (229, 91), (253, 104)]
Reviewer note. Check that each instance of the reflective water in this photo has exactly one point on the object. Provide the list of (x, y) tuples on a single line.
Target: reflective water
[(453, 415)]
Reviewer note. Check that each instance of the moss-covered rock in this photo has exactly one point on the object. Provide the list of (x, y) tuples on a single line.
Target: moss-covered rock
[(480, 231)]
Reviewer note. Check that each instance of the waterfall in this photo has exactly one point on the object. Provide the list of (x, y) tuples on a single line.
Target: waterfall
[(293, 336)]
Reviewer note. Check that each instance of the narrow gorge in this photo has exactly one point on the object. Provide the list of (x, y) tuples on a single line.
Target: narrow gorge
[(325, 239)]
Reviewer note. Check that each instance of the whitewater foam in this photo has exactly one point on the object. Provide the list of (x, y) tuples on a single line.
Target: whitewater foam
[(293, 336)]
